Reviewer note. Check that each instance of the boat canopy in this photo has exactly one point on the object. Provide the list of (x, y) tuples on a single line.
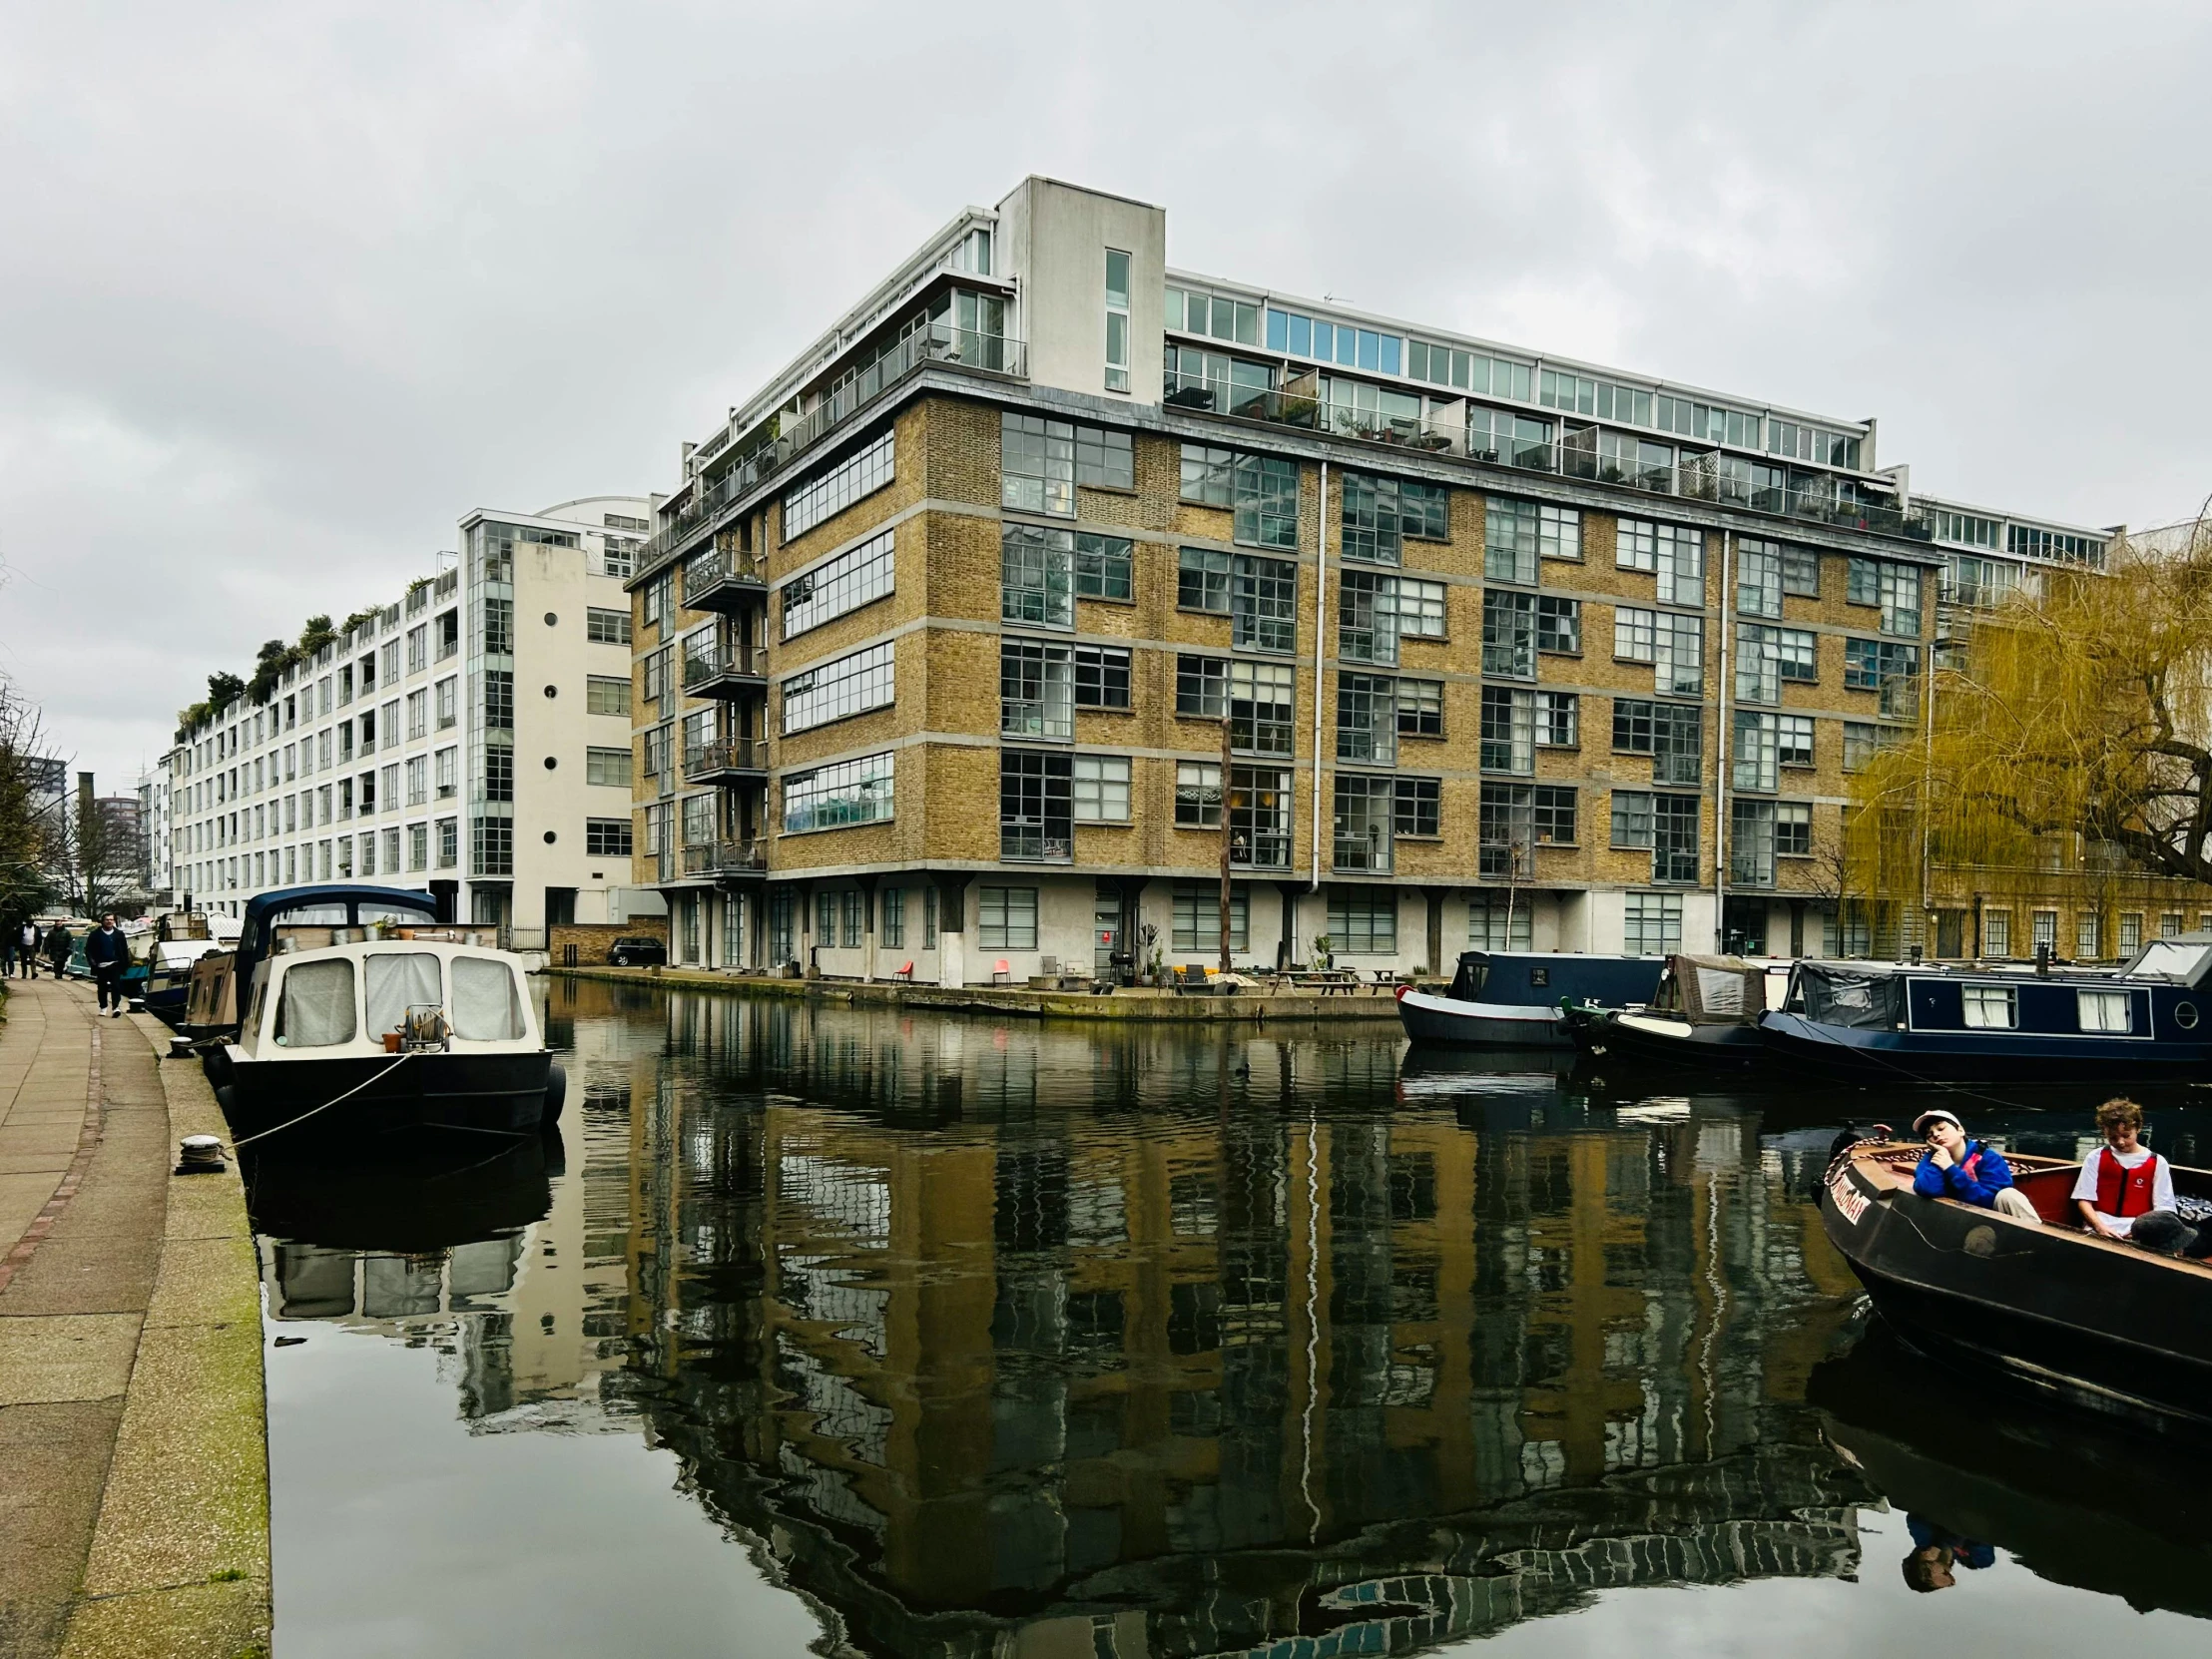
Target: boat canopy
[(1855, 994), (1712, 991), (332, 906), (1540, 979), (2184, 958)]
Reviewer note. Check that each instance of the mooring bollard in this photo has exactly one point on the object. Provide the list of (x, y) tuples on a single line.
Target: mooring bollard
[(198, 1155)]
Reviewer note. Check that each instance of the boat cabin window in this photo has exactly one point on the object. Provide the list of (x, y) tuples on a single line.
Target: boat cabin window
[(2179, 961), (2102, 1010), (1993, 1007), (394, 982), (316, 1008), (487, 1006), (370, 915)]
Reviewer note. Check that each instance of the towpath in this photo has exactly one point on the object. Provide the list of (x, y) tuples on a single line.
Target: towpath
[(134, 1487)]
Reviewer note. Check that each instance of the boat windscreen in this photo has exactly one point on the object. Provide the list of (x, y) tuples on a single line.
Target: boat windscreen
[(407, 916), (2181, 962), (1466, 984), (394, 982), (487, 1007), (316, 1010), (1836, 997)]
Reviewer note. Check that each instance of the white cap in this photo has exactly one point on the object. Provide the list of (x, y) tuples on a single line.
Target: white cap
[(1920, 1123)]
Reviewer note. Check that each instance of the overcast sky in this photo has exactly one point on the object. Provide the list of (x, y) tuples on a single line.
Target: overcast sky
[(285, 289)]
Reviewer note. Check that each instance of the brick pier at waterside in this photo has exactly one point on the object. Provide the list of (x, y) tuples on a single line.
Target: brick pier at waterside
[(134, 1467)]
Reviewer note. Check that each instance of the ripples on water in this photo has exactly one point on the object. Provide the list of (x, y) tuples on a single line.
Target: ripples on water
[(924, 1336)]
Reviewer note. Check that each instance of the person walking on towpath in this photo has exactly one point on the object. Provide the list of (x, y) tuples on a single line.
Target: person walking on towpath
[(108, 953), (58, 943), (26, 950)]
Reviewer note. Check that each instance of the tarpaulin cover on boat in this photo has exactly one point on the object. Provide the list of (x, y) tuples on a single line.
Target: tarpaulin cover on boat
[(1837, 995), (1712, 991)]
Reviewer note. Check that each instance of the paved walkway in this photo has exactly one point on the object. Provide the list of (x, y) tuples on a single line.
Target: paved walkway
[(133, 1442)]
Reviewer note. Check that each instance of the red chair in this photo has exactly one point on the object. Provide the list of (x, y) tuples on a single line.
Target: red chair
[(906, 972), (999, 972)]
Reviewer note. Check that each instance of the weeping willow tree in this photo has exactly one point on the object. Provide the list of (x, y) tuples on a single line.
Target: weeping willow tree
[(2068, 756)]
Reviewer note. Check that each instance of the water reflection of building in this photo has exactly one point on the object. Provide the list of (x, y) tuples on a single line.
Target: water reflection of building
[(990, 1356)]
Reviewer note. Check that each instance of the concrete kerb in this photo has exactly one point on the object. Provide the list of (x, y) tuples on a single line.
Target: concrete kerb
[(1365, 1005), (180, 1560)]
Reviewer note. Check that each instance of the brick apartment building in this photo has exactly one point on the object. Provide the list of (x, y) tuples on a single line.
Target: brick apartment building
[(935, 638)]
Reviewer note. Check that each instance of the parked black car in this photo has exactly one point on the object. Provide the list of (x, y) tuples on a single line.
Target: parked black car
[(637, 951)]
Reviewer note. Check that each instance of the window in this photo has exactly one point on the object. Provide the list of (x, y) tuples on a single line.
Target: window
[(618, 555), (1197, 924), (1035, 690), (1517, 818), (1037, 464), (1860, 742), (1559, 625), (1894, 588), (835, 488), (447, 693), (1206, 474), (607, 765), (419, 714), (418, 779), (1674, 554), (2088, 936), (1510, 540), (1509, 633), (316, 1008), (848, 686), (1101, 788), (1117, 320), (1751, 842), (1558, 719), (1758, 578), (1037, 576), (835, 586), (1416, 806), (1365, 812), (1508, 737), (1756, 751), (1229, 319), (1674, 645), (1263, 604), (1373, 612), (607, 837), (1996, 932), (656, 675), (1265, 500), (829, 797), (853, 904), (1674, 838), (449, 843), (418, 850), (1366, 719), (1873, 665), (1006, 918), (1765, 656), (1105, 567), (2047, 929), (1379, 513), (1651, 924), (1559, 533), (1035, 812), (1198, 794), (2169, 925), (448, 763), (1259, 697), (894, 918), (1498, 922), (389, 721), (1363, 922), (1671, 735), (1990, 1007), (1631, 820), (1421, 708), (2131, 932), (1100, 678)]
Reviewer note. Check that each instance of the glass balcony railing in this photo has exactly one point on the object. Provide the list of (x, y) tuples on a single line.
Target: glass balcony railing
[(1369, 854), (724, 858), (715, 578)]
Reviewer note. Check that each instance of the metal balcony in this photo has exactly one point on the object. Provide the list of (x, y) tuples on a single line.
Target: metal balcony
[(725, 671), (718, 581), (727, 761), (726, 858)]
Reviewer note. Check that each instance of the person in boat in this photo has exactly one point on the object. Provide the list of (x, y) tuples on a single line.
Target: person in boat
[(1936, 1551), (1971, 1171), (2123, 1180)]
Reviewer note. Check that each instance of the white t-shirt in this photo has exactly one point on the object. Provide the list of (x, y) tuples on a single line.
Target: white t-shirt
[(2161, 1186)]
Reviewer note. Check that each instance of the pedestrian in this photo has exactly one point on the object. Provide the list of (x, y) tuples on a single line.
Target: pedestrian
[(58, 943), (8, 940), (107, 955), (26, 950)]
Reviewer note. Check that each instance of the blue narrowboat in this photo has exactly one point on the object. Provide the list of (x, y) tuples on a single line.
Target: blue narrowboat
[(1872, 1023), (1513, 999)]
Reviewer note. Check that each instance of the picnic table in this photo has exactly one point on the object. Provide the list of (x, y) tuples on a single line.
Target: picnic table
[(1327, 981)]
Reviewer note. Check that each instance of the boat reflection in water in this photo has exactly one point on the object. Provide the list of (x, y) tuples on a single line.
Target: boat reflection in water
[(2119, 1512), (1023, 1339)]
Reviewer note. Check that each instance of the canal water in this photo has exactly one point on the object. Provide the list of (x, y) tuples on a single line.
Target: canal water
[(851, 1330)]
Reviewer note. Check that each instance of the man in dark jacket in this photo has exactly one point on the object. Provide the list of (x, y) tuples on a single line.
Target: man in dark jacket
[(108, 953), (1971, 1171), (58, 943)]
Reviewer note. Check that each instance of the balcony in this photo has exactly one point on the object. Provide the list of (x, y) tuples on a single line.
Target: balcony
[(725, 858), (720, 581), (726, 671), (939, 345), (727, 761)]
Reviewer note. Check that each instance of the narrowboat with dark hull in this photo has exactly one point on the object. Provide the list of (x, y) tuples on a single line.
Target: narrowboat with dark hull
[(2098, 1323), (1873, 1022), (1513, 999), (1704, 1016)]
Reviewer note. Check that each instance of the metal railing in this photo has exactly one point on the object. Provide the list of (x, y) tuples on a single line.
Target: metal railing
[(939, 343), (1363, 853), (720, 858), (726, 754), (699, 668), (711, 568)]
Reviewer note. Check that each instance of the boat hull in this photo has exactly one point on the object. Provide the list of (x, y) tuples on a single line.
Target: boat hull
[(1610, 1035), (1877, 1056), (2101, 1326), (510, 1093), (1449, 1022)]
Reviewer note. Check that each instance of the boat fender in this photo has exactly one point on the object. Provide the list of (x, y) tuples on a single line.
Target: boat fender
[(556, 1094), (1399, 995)]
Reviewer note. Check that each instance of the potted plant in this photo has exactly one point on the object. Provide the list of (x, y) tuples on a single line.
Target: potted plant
[(1148, 937), (1322, 957)]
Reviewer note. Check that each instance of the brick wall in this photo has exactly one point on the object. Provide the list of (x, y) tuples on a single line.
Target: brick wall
[(593, 940)]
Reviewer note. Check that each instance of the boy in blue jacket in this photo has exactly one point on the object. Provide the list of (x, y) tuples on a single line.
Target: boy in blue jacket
[(1971, 1171)]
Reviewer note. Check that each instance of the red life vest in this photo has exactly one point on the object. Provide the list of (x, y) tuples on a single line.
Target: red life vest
[(2123, 1191)]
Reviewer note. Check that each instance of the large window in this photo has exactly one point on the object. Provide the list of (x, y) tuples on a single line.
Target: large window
[(1758, 578), (1259, 699), (607, 837), (1101, 677), (1105, 567), (1558, 719), (1651, 924), (1037, 576), (1509, 633), (1036, 689), (1894, 588), (1037, 464), (1674, 820), (1366, 719), (1872, 665), (829, 493), (1510, 540), (1363, 922), (1101, 788), (1421, 708), (1674, 554), (1498, 922), (1672, 643), (1117, 320), (1036, 806), (1416, 807), (1263, 604), (1517, 818), (834, 586), (1006, 918), (1508, 731), (848, 686), (1365, 820), (1758, 751), (1197, 924), (1861, 740), (829, 797), (1373, 612), (1765, 656), (1264, 501), (607, 765), (1379, 513)]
